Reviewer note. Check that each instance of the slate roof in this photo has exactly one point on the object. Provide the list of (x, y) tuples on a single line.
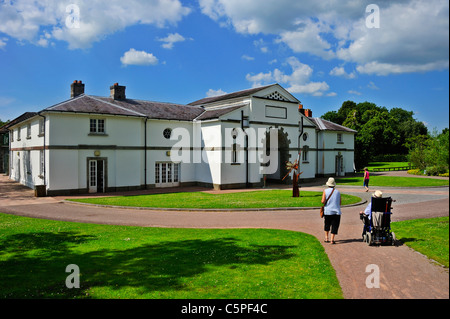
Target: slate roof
[(217, 112), (324, 125), (25, 116), (128, 107), (229, 95)]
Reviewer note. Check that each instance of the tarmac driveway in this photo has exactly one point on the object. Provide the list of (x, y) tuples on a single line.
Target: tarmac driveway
[(404, 273)]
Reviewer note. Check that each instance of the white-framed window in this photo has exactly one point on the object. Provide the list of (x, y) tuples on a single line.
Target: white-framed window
[(41, 127), (18, 133), (305, 154), (339, 138), (41, 162), (28, 130), (167, 174), (28, 161), (97, 126)]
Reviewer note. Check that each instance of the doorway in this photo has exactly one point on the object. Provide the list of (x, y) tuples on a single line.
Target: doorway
[(96, 175), (340, 165), (167, 174)]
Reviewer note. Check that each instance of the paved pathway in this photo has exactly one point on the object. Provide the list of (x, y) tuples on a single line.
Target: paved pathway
[(404, 273)]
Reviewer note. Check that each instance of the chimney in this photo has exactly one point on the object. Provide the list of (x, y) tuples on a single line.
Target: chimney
[(301, 109), (308, 113), (117, 91), (76, 88)]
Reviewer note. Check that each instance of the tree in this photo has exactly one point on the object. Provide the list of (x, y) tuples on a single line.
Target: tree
[(379, 131)]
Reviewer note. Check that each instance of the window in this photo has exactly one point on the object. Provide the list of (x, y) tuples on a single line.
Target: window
[(175, 173), (12, 136), (18, 134), (167, 174), (28, 130), (305, 155), (41, 127), (339, 138), (97, 126), (157, 165), (41, 162), (167, 133), (305, 136), (28, 161), (234, 156), (101, 126)]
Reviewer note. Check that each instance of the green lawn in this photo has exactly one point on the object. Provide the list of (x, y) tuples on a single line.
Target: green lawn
[(393, 181), (253, 199), (428, 236), (138, 262), (373, 165)]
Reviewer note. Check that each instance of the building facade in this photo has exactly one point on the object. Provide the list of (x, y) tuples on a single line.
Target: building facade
[(100, 144)]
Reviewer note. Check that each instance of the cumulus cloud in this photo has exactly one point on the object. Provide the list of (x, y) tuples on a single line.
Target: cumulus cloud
[(133, 57), (30, 20), (212, 92), (171, 39), (298, 81), (413, 35), (340, 71)]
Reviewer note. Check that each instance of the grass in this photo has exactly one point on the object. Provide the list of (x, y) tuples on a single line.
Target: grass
[(428, 236), (393, 181), (373, 165), (137, 262), (253, 199)]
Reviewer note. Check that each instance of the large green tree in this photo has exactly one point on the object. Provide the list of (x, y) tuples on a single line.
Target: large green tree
[(379, 131)]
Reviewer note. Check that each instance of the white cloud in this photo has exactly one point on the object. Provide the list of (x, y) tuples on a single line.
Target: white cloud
[(248, 58), (413, 34), (340, 71), (3, 42), (133, 57), (390, 68), (298, 81), (212, 92), (306, 38), (354, 92), (30, 20), (412, 37), (171, 39), (372, 86)]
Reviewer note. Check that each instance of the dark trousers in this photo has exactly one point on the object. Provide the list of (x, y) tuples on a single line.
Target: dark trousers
[(332, 221)]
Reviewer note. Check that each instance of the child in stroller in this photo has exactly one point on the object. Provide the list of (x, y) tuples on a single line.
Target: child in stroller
[(377, 220)]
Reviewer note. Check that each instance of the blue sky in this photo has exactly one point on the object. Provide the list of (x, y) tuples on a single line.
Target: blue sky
[(323, 52)]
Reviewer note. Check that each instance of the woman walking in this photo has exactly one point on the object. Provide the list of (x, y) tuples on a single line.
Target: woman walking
[(331, 198), (366, 179)]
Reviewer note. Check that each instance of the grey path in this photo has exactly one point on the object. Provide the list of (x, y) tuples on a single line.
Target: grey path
[(404, 273)]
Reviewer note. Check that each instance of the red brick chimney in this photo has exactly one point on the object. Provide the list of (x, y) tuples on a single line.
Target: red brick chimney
[(76, 88), (117, 92), (301, 109), (308, 113)]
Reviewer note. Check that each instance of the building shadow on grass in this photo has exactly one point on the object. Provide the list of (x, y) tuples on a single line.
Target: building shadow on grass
[(34, 265)]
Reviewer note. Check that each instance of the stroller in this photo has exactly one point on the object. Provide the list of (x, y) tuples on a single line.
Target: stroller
[(377, 230)]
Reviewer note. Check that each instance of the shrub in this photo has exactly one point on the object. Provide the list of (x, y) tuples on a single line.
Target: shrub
[(415, 172), (436, 170)]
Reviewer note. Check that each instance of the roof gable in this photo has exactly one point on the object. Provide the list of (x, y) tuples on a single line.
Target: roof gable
[(229, 96)]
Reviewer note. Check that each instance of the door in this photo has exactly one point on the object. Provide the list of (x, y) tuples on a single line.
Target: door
[(167, 174), (96, 176), (339, 165)]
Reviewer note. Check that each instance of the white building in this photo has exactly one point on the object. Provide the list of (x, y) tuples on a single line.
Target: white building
[(98, 144)]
